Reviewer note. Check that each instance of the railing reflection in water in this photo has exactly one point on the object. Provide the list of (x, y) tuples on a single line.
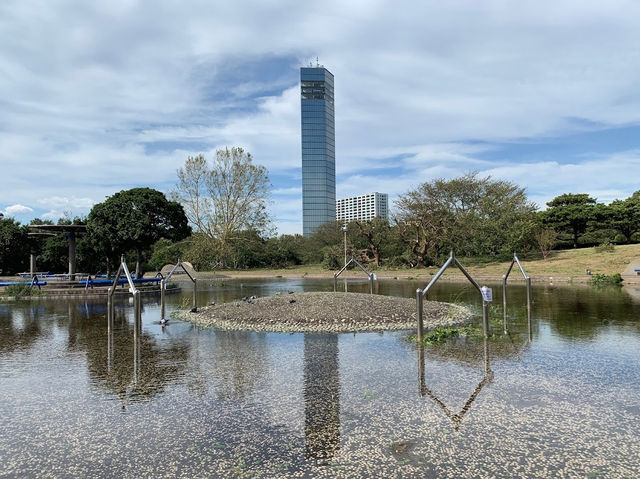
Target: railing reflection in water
[(456, 418)]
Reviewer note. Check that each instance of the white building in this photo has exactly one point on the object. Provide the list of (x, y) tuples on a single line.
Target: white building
[(364, 207)]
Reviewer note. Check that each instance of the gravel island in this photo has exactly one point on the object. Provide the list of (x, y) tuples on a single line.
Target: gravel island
[(326, 312)]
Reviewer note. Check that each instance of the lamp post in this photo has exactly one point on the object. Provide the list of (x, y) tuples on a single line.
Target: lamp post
[(344, 228)]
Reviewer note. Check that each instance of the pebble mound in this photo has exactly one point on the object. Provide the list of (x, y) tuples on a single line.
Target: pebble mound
[(326, 312)]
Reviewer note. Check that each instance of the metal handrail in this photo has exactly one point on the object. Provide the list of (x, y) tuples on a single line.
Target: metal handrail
[(132, 289), (369, 274), (421, 294), (527, 280), (163, 287)]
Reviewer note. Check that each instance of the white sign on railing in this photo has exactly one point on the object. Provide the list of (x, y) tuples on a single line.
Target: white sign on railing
[(487, 294)]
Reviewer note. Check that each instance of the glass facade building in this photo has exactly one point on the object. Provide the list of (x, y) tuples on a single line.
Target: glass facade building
[(318, 148)]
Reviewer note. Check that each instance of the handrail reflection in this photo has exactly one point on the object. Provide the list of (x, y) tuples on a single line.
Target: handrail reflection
[(456, 418)]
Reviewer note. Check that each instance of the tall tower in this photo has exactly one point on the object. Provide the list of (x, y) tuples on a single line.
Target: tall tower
[(318, 148)]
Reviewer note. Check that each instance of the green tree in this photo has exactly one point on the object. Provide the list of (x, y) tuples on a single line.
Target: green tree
[(14, 247), (284, 251), (224, 198), (133, 220), (201, 252), (375, 233), (165, 251), (625, 215), (471, 215), (570, 214)]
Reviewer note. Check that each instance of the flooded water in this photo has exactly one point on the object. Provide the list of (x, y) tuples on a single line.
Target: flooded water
[(560, 398)]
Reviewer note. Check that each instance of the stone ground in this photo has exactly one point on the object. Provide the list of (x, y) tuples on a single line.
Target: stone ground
[(326, 312)]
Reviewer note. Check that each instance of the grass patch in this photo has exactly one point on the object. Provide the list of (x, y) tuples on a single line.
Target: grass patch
[(22, 290)]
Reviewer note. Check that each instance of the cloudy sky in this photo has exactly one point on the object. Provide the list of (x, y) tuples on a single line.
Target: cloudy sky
[(103, 96)]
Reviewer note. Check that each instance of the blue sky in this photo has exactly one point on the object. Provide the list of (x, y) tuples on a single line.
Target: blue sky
[(102, 96)]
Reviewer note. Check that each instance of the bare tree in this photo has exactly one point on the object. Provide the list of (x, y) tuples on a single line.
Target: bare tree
[(546, 239), (191, 191), (225, 197)]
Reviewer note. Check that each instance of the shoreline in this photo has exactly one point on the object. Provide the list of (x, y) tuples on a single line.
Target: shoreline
[(419, 275)]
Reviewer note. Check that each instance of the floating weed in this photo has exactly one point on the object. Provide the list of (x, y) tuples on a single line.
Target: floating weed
[(594, 474), (368, 395), (403, 462), (440, 334)]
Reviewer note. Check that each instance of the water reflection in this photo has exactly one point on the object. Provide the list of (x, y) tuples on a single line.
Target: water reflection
[(456, 418), (240, 358), (21, 330), (321, 397)]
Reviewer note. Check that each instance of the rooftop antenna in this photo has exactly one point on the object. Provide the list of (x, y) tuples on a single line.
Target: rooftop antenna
[(317, 62)]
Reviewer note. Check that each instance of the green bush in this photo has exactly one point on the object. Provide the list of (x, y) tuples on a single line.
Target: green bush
[(599, 279)]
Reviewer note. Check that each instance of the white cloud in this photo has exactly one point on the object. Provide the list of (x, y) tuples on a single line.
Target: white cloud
[(102, 96), (16, 210)]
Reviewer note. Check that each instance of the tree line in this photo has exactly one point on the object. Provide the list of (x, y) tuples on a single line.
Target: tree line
[(217, 217)]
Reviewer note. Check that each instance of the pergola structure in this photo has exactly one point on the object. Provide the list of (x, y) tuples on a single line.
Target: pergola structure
[(71, 230)]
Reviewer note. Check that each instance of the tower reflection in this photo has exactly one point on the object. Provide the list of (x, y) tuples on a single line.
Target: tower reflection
[(321, 397)]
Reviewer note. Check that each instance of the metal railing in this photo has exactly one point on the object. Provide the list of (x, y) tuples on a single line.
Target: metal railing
[(137, 301), (527, 280), (370, 275), (422, 293), (163, 287)]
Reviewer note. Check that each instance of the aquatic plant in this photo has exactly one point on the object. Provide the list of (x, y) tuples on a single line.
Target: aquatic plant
[(440, 334)]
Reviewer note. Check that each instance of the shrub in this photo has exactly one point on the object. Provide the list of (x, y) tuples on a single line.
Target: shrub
[(599, 279), (605, 247)]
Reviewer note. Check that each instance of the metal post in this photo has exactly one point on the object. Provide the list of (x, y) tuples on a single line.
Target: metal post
[(136, 356), (109, 308), (529, 307), (485, 318), (72, 256), (344, 228), (32, 265), (487, 365), (504, 302), (419, 314), (137, 304), (335, 283), (421, 379), (162, 287), (109, 347), (371, 283), (528, 296), (195, 294)]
